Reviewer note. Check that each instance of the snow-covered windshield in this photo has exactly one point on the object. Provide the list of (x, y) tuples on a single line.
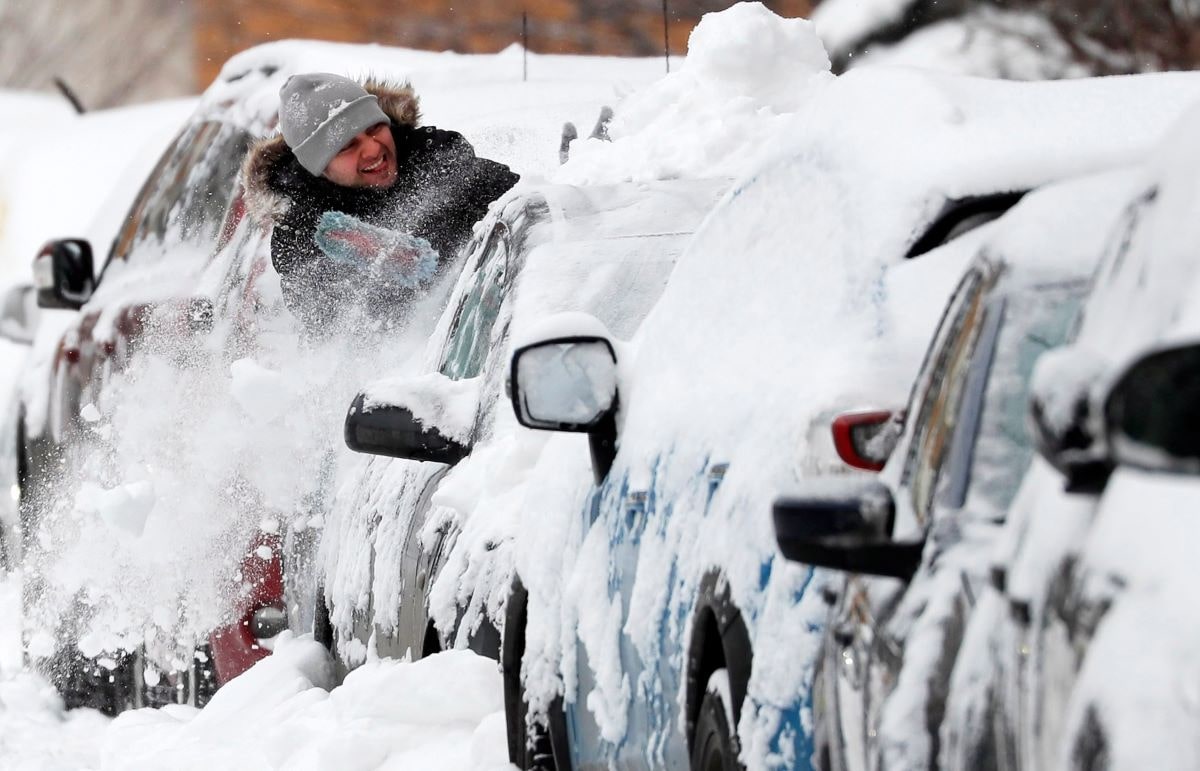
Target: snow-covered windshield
[(988, 470)]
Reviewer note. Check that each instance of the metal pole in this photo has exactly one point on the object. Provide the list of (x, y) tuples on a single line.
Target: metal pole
[(524, 46), (666, 38)]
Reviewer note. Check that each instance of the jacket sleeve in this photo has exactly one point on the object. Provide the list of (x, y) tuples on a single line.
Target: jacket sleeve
[(296, 258), (464, 183)]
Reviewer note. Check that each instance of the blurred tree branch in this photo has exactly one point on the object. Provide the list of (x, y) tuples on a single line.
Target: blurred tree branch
[(1105, 37)]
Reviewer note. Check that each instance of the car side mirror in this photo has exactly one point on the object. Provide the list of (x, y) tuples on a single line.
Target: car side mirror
[(64, 275), (569, 384), (394, 431), (865, 440), (19, 314), (1152, 413), (1064, 425), (844, 524)]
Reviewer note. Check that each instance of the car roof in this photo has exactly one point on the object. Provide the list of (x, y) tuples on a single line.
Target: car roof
[(628, 210)]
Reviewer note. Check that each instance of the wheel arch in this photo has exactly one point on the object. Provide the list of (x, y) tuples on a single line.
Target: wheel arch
[(719, 639)]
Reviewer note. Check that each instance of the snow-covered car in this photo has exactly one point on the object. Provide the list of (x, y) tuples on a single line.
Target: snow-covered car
[(154, 395), (150, 295), (915, 541), (123, 144), (606, 250), (660, 628), (1074, 654)]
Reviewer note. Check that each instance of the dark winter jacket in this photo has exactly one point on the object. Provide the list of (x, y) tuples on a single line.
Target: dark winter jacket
[(441, 191)]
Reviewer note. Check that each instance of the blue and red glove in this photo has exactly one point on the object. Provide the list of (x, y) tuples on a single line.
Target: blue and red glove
[(389, 255)]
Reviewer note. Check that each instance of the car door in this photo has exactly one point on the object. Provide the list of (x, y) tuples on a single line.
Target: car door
[(477, 330), (866, 641)]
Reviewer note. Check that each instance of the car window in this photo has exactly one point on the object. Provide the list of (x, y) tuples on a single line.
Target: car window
[(999, 449), (944, 381), (961, 216), (492, 273), (185, 198), (970, 439), (476, 314)]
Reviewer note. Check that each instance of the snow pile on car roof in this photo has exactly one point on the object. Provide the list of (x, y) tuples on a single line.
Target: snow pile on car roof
[(1154, 268), (746, 69)]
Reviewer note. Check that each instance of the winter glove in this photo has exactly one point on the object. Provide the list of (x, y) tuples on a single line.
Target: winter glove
[(389, 255)]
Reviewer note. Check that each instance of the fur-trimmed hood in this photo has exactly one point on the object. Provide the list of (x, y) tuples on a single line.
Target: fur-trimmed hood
[(270, 161)]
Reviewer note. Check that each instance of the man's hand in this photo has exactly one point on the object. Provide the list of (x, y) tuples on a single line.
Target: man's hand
[(382, 254)]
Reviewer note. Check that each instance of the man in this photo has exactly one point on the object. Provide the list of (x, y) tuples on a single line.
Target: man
[(367, 207)]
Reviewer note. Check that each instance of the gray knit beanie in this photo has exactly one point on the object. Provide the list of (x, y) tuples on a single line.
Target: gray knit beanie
[(319, 113)]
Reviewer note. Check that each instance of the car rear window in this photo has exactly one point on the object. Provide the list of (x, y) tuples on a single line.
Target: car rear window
[(185, 198)]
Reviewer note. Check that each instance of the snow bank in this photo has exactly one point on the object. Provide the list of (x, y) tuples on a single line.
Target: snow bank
[(746, 69), (444, 712)]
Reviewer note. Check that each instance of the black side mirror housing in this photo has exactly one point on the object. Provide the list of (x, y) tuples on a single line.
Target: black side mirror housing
[(1152, 412), (64, 274), (845, 524), (1063, 421), (393, 431)]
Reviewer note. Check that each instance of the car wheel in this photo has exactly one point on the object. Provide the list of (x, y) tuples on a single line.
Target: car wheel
[(715, 747), (87, 683), (322, 625), (194, 687)]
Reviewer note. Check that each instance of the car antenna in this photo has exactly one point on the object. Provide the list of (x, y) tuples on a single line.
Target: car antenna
[(69, 95)]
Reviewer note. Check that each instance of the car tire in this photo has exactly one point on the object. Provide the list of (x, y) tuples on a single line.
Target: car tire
[(541, 745), (322, 624), (715, 747), (536, 753)]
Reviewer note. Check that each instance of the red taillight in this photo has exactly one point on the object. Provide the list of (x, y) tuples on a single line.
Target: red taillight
[(861, 439)]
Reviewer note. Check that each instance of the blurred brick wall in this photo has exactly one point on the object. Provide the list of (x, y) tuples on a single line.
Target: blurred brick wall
[(613, 27)]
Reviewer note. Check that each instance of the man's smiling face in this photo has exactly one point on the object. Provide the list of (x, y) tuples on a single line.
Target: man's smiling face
[(369, 160)]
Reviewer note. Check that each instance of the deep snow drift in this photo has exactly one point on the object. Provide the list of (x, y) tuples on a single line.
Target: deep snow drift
[(444, 712)]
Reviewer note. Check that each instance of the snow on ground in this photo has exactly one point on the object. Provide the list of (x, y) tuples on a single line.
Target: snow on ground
[(444, 712)]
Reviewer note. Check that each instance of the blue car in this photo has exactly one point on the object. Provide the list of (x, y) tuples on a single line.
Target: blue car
[(652, 622)]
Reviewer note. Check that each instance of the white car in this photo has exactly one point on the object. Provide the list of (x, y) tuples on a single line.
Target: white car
[(1076, 655)]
